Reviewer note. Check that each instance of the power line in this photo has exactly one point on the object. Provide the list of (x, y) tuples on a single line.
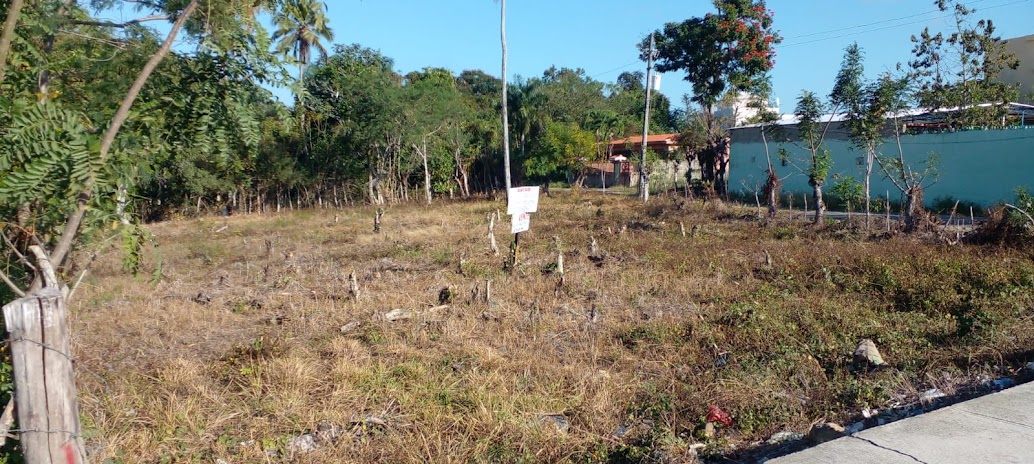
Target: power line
[(615, 69), (893, 26), (869, 24)]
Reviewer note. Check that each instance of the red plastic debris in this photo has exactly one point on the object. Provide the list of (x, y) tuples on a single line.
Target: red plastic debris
[(715, 414)]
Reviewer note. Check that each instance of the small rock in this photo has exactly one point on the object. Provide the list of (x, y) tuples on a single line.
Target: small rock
[(932, 394), (351, 326), (397, 314), (855, 427), (783, 437), (1030, 366), (821, 433), (327, 432), (557, 420), (621, 431), (867, 413), (305, 443), (221, 461), (867, 353)]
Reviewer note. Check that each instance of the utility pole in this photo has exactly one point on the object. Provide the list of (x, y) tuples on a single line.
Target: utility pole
[(506, 118), (644, 180)]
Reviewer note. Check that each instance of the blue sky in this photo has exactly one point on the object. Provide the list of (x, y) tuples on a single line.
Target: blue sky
[(600, 35)]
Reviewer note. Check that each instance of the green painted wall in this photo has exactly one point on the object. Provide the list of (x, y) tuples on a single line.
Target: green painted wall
[(980, 166)]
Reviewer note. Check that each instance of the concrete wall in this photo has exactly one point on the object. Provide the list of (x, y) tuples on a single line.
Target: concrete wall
[(1023, 48), (980, 166)]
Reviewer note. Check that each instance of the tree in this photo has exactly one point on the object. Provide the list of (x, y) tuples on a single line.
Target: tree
[(435, 107), (812, 133), (961, 70), (564, 150), (606, 126), (888, 96), (865, 115), (300, 25), (527, 110), (87, 151), (732, 49)]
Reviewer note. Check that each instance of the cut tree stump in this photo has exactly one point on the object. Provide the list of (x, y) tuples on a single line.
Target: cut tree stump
[(45, 394)]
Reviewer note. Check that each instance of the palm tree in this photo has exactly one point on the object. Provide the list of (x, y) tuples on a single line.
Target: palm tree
[(300, 24), (525, 103)]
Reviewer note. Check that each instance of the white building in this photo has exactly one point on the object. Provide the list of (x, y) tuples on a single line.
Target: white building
[(739, 110)]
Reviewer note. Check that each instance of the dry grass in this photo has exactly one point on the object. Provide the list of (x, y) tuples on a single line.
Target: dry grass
[(239, 348)]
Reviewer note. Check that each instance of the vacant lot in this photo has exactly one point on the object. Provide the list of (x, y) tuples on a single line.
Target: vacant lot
[(252, 338)]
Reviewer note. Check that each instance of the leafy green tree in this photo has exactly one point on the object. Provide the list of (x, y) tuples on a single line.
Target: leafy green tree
[(436, 106), (564, 151), (961, 70), (359, 97), (732, 49), (88, 182), (812, 133)]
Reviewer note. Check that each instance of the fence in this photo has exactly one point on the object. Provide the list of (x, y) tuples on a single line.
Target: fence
[(45, 395)]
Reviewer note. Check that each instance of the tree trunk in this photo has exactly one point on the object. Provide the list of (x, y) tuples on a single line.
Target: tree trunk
[(820, 205), (422, 151), (14, 11), (868, 195)]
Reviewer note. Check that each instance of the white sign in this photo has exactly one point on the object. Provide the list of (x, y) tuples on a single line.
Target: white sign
[(522, 200), (520, 222)]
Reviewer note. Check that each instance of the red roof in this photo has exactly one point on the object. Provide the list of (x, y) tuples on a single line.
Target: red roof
[(668, 139)]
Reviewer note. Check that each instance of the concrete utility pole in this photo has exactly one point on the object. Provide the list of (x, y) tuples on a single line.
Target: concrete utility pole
[(644, 181), (506, 117)]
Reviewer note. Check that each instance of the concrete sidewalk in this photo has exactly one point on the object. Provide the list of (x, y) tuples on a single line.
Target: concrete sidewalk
[(997, 428)]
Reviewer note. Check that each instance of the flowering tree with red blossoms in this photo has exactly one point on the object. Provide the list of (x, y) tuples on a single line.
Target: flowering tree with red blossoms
[(732, 49)]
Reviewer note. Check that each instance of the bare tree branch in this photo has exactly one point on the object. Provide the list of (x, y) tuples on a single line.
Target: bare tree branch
[(71, 229), (46, 269), (14, 287), (1021, 211), (125, 24), (14, 11)]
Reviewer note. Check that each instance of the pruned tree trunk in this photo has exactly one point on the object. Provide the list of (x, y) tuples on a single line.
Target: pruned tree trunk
[(422, 151), (869, 156), (820, 205)]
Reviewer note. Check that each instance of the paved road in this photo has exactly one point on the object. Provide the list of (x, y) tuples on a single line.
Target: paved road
[(997, 428)]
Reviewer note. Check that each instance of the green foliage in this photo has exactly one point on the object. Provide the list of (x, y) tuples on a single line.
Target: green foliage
[(46, 154), (847, 193), (961, 70), (1025, 203), (565, 149), (730, 49)]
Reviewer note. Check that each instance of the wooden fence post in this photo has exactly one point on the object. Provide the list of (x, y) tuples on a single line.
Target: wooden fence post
[(45, 395)]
